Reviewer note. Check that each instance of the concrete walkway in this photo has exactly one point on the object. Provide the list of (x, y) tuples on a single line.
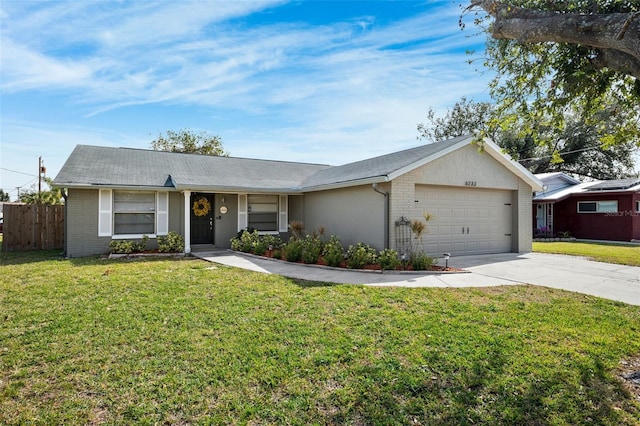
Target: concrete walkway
[(616, 282)]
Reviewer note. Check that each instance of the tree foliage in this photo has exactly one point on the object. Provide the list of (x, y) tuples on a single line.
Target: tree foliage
[(51, 196), (4, 196), (187, 141), (555, 59), (578, 148), (466, 117)]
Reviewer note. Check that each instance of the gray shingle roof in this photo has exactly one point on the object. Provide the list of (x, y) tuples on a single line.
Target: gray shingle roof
[(378, 167), (126, 167), (104, 166)]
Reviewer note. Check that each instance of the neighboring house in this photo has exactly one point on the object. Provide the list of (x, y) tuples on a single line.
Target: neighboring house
[(599, 210), (480, 201)]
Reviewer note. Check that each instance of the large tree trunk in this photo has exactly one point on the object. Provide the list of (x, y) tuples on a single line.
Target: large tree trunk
[(614, 37)]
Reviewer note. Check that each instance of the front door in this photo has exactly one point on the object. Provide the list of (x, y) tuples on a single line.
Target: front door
[(202, 207)]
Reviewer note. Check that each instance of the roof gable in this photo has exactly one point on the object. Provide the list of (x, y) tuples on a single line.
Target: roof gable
[(377, 169)]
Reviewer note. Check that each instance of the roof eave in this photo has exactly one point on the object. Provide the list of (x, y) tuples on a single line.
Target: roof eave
[(238, 189), (110, 186), (421, 162), (488, 146), (515, 167), (347, 184)]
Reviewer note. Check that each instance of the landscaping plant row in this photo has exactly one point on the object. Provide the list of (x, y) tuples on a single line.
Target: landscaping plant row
[(170, 243), (313, 249)]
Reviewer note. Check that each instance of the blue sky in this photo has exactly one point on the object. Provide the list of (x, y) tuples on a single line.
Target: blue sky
[(315, 81)]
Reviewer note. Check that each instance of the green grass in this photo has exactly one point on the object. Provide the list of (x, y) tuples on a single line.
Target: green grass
[(94, 341), (602, 252)]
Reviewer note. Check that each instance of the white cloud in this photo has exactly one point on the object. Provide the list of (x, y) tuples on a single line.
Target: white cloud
[(329, 93)]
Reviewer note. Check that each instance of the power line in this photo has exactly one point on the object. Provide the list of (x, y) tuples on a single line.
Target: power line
[(560, 153), (15, 171)]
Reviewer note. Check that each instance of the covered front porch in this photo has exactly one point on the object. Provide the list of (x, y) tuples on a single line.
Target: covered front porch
[(212, 218)]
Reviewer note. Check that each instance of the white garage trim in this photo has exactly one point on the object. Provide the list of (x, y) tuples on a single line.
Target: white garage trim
[(465, 220)]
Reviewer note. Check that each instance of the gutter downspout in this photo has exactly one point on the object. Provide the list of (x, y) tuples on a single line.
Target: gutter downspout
[(386, 213), (65, 230)]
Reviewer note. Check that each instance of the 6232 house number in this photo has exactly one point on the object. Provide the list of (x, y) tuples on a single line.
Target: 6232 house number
[(470, 183)]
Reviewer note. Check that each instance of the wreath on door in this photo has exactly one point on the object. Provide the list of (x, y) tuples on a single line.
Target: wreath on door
[(201, 206)]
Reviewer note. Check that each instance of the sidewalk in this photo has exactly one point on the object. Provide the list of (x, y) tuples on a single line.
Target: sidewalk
[(616, 282)]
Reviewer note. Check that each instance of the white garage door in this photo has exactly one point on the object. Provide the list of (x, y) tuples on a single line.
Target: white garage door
[(465, 220)]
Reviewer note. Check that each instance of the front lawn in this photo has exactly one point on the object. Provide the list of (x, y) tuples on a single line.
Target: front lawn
[(95, 341), (602, 252)]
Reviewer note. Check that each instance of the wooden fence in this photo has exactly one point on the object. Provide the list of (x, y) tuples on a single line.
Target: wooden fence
[(33, 227)]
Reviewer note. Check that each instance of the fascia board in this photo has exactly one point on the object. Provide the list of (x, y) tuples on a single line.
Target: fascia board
[(421, 162), (238, 189), (491, 148), (118, 187), (516, 168), (346, 184)]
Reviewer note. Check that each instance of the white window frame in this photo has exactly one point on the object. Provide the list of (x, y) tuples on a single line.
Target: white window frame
[(282, 213), (638, 206), (106, 215), (599, 206)]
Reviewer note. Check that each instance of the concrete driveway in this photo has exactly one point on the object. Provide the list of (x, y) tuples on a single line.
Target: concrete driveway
[(615, 282)]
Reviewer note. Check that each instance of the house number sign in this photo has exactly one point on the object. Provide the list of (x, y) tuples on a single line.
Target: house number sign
[(470, 183)]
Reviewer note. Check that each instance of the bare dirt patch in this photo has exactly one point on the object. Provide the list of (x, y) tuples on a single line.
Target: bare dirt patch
[(629, 372)]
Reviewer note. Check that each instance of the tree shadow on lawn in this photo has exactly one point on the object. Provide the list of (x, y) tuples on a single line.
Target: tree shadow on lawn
[(482, 392), (33, 256), (311, 284)]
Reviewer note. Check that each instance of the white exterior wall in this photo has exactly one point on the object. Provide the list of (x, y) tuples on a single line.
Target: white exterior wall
[(523, 232), (464, 168)]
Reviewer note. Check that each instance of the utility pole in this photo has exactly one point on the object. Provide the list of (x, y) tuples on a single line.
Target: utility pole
[(41, 170)]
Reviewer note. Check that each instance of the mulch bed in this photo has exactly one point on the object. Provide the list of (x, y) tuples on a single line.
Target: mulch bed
[(372, 267)]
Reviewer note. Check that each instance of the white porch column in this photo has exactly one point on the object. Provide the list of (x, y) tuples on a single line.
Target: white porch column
[(187, 222)]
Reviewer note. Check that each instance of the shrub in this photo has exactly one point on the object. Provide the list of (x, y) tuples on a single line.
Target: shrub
[(171, 243), (259, 247), (333, 252), (420, 261), (128, 246), (273, 241), (360, 255), (311, 248), (293, 250), (245, 241), (388, 259), (121, 246), (277, 254)]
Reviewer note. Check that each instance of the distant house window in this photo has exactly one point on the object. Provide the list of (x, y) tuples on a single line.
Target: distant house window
[(638, 206), (598, 206), (263, 212), (134, 213)]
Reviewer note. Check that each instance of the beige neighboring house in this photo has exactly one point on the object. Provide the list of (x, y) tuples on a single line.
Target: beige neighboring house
[(480, 199)]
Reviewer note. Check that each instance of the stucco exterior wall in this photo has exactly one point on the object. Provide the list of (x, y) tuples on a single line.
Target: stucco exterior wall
[(176, 212), (466, 165), (225, 225), (82, 219), (353, 214)]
